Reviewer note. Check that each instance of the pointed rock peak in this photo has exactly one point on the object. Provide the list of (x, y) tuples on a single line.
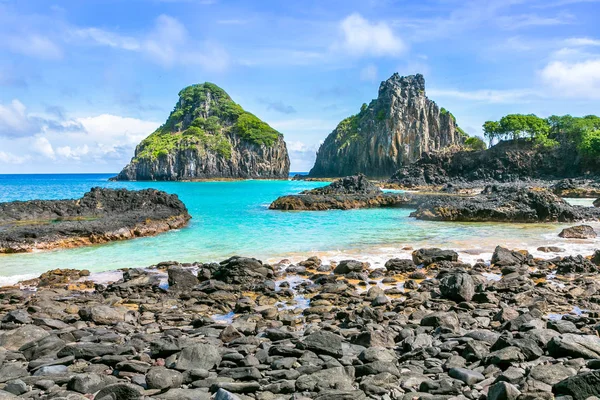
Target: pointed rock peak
[(411, 83)]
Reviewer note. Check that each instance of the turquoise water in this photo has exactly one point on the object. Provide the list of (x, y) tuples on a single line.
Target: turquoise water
[(232, 218)]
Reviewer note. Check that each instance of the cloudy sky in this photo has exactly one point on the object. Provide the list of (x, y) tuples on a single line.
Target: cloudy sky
[(82, 82)]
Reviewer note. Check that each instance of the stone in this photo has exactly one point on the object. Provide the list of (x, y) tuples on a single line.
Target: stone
[(551, 374), (400, 265), (503, 391), (119, 391), (457, 286), (581, 386), (468, 376), (433, 255), (180, 279), (571, 345), (90, 383), (504, 257), (323, 342), (223, 394), (204, 356), (14, 339), (578, 232), (331, 378), (16, 387), (347, 266), (103, 315), (447, 320), (163, 378)]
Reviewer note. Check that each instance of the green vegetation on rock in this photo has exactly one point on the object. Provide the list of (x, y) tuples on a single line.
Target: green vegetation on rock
[(475, 143), (203, 118), (582, 133)]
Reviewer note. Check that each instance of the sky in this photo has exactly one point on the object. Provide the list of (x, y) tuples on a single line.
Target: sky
[(82, 82)]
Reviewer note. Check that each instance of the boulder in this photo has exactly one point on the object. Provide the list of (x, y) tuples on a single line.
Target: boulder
[(243, 270), (400, 265), (163, 378), (579, 387), (119, 391), (323, 342), (180, 279), (578, 232), (347, 266), (457, 286), (429, 256), (204, 356)]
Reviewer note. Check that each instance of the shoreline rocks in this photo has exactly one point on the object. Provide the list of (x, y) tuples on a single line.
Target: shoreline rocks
[(243, 329), (504, 204), (100, 216)]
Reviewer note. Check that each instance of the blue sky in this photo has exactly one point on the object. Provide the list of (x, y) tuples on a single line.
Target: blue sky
[(82, 82)]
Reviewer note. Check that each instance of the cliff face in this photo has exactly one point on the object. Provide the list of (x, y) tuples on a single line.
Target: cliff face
[(393, 130), (209, 136)]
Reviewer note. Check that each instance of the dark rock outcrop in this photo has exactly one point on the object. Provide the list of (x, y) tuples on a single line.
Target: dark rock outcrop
[(209, 136), (504, 204), (393, 130), (343, 194), (100, 216), (507, 161)]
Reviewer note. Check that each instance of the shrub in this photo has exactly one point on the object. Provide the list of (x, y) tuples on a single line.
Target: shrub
[(475, 143)]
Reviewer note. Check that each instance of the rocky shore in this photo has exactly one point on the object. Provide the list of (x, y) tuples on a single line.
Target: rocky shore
[(430, 327), (343, 194), (503, 204), (100, 216)]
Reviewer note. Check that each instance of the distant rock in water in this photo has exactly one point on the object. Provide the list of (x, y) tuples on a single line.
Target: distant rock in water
[(343, 194), (393, 130), (100, 216), (503, 204), (209, 136)]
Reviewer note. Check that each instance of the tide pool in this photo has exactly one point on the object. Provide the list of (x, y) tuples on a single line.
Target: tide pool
[(232, 218)]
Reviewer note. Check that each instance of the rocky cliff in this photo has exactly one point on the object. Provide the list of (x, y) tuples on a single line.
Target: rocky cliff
[(393, 130), (208, 136)]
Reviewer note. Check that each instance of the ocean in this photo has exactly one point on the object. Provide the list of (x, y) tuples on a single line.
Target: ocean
[(232, 218)]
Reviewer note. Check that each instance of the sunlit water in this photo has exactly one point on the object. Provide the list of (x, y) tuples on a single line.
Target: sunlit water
[(232, 218)]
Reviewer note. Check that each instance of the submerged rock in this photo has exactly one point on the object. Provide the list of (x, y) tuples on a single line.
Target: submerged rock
[(578, 232)]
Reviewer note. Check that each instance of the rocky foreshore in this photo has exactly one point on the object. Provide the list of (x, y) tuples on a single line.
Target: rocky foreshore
[(430, 327), (343, 194), (503, 204), (100, 216)]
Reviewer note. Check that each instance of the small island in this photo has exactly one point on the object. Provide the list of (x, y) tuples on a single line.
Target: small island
[(209, 136), (100, 216)]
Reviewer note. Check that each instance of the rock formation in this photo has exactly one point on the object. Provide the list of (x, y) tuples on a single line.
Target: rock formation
[(100, 216), (502, 204), (344, 194), (209, 136), (393, 130)]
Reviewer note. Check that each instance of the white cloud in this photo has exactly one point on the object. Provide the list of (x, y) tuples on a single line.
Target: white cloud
[(361, 37), (486, 96), (33, 45), (42, 145), (106, 127), (13, 119), (577, 79), (302, 156), (74, 153), (168, 43), (513, 22), (106, 38), (369, 73), (581, 42), (9, 158)]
